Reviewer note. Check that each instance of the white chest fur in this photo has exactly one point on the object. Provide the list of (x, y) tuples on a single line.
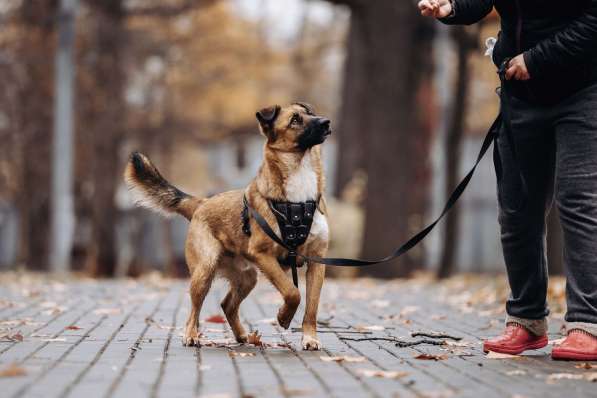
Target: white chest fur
[(301, 184), (319, 228)]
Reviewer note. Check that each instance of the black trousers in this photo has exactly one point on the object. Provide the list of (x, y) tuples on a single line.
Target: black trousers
[(556, 149)]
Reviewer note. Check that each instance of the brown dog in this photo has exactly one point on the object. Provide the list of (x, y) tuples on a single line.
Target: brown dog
[(291, 171)]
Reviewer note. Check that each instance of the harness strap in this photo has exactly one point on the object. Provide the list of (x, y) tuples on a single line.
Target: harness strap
[(491, 135), (412, 242)]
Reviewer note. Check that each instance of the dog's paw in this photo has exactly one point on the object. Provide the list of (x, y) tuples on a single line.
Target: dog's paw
[(283, 319), (191, 340), (311, 343), (242, 338)]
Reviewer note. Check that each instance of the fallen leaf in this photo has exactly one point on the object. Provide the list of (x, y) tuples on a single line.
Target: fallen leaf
[(371, 328), (269, 321), (12, 336), (107, 311), (516, 372), (585, 365), (590, 376), (240, 354), (563, 376), (383, 374), (557, 341), (498, 355), (12, 371), (254, 338), (431, 357), (73, 327), (345, 358), (408, 310), (216, 319), (380, 303)]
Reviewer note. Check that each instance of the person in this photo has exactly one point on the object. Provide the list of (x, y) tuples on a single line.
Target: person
[(551, 89)]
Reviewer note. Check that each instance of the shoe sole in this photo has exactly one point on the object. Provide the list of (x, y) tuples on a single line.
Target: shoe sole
[(561, 355), (519, 349)]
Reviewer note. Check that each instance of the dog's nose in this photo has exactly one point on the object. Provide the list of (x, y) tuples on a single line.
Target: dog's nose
[(324, 122)]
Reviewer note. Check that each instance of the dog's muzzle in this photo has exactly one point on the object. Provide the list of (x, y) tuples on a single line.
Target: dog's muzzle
[(315, 133)]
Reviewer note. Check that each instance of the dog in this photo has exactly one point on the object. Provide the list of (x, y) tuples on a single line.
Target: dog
[(291, 171)]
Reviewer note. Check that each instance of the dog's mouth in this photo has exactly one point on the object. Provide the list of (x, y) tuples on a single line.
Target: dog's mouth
[(315, 133)]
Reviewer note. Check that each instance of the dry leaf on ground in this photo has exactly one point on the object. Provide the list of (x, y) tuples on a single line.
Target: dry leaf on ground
[(215, 319), (408, 310), (498, 355), (380, 303), (589, 376), (431, 357), (345, 358), (12, 371), (518, 372), (373, 328), (12, 336), (107, 311), (585, 365), (73, 327), (254, 338), (383, 374), (557, 341), (241, 354)]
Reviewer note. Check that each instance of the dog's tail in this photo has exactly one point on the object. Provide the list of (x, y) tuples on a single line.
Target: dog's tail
[(152, 191)]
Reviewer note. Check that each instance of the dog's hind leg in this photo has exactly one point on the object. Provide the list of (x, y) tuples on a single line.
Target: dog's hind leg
[(203, 252), (242, 278)]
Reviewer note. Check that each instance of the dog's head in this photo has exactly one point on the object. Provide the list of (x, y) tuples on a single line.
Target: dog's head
[(294, 128)]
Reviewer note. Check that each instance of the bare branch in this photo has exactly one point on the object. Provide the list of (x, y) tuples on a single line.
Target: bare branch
[(397, 342), (168, 11)]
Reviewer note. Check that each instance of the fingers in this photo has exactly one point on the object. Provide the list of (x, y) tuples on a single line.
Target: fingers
[(510, 72), (429, 8)]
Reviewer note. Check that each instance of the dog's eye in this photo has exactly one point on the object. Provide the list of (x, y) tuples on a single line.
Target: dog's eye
[(296, 119)]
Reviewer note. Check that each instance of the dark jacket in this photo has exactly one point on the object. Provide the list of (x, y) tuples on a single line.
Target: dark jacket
[(558, 39)]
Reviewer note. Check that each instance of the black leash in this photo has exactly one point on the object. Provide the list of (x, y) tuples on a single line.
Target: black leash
[(491, 135)]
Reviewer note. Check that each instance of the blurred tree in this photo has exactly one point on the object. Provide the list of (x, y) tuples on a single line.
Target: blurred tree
[(466, 39), (105, 119), (28, 32), (385, 126)]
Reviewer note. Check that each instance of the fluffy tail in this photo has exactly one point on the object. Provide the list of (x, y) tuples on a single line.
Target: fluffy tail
[(152, 191)]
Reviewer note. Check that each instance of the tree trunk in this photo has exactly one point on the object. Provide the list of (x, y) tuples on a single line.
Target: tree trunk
[(397, 145), (35, 97), (453, 149), (352, 128), (106, 126)]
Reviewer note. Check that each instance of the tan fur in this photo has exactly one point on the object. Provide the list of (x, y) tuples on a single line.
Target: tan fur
[(216, 243)]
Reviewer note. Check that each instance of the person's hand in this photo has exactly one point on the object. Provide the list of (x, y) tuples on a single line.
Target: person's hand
[(435, 8), (517, 69)]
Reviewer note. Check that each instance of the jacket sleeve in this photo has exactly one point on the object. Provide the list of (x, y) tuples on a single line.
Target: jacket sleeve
[(467, 12), (575, 43)]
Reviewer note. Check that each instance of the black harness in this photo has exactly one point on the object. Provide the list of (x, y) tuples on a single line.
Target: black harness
[(294, 221), (285, 213)]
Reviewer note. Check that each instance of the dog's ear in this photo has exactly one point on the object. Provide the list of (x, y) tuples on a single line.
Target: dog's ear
[(267, 117)]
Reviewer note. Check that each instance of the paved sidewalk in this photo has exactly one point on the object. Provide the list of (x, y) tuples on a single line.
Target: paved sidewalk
[(85, 338)]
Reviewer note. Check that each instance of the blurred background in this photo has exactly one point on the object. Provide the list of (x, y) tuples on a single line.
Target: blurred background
[(85, 82)]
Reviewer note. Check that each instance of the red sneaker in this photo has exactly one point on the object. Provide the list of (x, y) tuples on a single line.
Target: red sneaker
[(577, 346), (515, 340)]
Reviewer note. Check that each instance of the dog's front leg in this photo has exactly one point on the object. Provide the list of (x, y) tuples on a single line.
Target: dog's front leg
[(291, 295), (315, 276)]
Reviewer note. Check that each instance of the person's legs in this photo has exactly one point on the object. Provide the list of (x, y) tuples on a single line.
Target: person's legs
[(522, 221), (576, 197), (576, 187), (522, 218)]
